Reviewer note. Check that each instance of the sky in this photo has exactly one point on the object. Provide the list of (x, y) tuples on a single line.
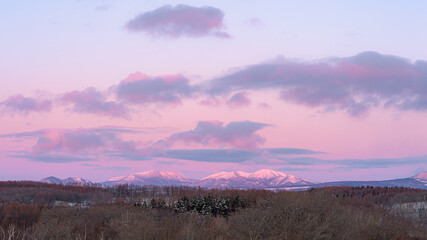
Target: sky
[(324, 90)]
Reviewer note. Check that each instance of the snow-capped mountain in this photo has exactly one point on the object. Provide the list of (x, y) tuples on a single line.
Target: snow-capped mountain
[(260, 179), (51, 179), (421, 177), (151, 177), (75, 181)]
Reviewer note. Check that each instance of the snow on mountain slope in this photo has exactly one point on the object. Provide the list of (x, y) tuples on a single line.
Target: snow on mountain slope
[(151, 178), (260, 179), (68, 181), (76, 181), (421, 177), (51, 179)]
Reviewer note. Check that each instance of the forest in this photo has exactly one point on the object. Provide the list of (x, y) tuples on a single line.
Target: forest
[(33, 210)]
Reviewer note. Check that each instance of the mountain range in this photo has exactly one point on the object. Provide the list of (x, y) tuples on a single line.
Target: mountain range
[(262, 179), (151, 178), (72, 181)]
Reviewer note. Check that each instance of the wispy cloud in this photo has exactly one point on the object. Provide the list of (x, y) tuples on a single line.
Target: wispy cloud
[(52, 158), (232, 155), (67, 145), (180, 21), (210, 155), (351, 164)]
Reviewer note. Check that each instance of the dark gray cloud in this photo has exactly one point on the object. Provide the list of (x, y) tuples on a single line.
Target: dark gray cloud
[(179, 21), (353, 84)]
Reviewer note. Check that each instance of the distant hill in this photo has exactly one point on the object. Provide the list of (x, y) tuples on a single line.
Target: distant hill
[(417, 181)]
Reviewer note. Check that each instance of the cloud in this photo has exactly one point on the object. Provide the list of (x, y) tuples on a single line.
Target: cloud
[(19, 103), (253, 22), (180, 21), (76, 145), (292, 169), (92, 101), (71, 141), (379, 162), (230, 155), (291, 151), (100, 167), (349, 164), (52, 158), (240, 135), (264, 106), (210, 155), (139, 88), (238, 100), (83, 141), (353, 84)]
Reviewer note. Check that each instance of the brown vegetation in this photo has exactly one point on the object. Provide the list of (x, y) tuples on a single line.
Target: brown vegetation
[(31, 211)]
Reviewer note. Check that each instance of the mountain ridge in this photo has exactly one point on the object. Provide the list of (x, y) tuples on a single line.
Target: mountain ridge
[(261, 179), (73, 181)]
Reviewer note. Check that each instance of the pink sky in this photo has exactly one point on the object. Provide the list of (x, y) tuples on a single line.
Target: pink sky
[(201, 88)]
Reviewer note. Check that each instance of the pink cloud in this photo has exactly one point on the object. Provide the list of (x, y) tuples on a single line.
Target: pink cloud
[(92, 101), (253, 22), (241, 135), (239, 99), (355, 84), (75, 141), (180, 20), (211, 101), (19, 103), (66, 145), (139, 88), (264, 106)]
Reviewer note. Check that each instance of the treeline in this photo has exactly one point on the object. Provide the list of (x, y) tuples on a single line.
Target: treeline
[(129, 212), (47, 194)]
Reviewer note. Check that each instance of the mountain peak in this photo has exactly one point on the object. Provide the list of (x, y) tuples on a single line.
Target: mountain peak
[(267, 173), (151, 177), (263, 178), (421, 176), (51, 179), (68, 181)]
